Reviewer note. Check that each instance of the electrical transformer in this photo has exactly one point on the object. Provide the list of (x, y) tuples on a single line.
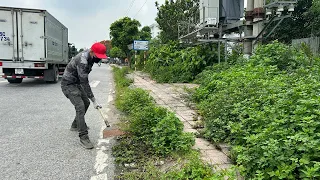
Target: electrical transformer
[(213, 12)]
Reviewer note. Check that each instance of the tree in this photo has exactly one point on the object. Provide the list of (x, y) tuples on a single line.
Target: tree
[(176, 13), (72, 51), (145, 33), (314, 14), (80, 50), (123, 32), (305, 22), (117, 52)]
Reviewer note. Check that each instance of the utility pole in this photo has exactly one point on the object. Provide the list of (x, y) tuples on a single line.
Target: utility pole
[(219, 43), (258, 18), (248, 33)]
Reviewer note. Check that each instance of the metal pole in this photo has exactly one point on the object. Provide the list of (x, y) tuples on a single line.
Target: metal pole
[(135, 60), (248, 30), (258, 18), (219, 52), (225, 50), (204, 15), (219, 43), (145, 57)]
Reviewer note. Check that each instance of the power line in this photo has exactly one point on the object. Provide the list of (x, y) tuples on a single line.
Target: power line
[(140, 8), (129, 8)]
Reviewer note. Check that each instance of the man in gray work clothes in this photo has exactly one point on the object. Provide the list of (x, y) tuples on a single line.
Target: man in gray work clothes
[(75, 86)]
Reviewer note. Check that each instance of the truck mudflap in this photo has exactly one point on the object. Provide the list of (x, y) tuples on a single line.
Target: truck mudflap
[(22, 77)]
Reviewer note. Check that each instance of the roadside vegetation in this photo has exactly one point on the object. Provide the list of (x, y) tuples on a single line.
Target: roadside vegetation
[(267, 108), (176, 63), (154, 145)]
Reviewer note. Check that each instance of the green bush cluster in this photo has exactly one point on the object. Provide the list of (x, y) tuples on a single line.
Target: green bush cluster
[(120, 78), (171, 63), (268, 109), (160, 130), (150, 129)]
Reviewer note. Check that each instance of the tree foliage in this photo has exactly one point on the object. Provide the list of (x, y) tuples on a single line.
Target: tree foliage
[(172, 13), (117, 52), (73, 51), (172, 63), (304, 22), (123, 32), (145, 33)]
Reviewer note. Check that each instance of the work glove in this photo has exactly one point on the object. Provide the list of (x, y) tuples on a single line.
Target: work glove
[(96, 105)]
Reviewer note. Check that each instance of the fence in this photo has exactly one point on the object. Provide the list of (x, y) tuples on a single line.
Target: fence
[(313, 43)]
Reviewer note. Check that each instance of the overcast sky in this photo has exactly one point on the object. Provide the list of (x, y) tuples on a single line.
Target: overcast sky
[(89, 20)]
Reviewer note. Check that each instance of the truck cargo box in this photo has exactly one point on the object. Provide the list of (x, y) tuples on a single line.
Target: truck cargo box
[(32, 35)]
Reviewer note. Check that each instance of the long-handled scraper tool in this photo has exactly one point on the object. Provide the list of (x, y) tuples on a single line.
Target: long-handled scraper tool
[(104, 119)]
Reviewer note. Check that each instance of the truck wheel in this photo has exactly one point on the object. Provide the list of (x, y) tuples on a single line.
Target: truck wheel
[(15, 81), (52, 75), (56, 74)]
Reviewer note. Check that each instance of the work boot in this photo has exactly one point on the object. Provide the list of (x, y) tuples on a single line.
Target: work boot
[(75, 128), (85, 142)]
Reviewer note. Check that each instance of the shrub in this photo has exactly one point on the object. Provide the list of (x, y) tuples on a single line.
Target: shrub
[(171, 63), (150, 129), (142, 120), (169, 136), (120, 77), (159, 130), (268, 109), (132, 99)]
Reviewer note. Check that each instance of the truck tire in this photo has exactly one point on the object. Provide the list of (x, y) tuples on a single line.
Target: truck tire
[(15, 81), (56, 74), (52, 75)]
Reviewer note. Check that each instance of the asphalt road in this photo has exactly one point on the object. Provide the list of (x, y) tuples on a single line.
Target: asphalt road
[(35, 140)]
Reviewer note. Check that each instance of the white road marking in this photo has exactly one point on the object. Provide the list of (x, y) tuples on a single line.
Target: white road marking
[(94, 83), (102, 157), (100, 177), (3, 81), (110, 98)]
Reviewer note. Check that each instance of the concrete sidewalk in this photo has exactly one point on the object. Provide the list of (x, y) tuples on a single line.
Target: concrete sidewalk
[(169, 96)]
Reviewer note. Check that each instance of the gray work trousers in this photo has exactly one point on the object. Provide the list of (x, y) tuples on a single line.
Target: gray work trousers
[(80, 100)]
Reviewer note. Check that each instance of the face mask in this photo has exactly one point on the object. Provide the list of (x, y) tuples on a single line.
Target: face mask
[(95, 59)]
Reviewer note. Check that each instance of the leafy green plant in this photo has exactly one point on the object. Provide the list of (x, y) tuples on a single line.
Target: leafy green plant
[(169, 136), (172, 63), (133, 99), (142, 120), (149, 129), (268, 109), (120, 77)]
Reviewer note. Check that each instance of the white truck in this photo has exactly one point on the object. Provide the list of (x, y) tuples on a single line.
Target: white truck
[(33, 44)]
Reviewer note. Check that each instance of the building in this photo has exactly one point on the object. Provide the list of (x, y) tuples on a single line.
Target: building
[(155, 30)]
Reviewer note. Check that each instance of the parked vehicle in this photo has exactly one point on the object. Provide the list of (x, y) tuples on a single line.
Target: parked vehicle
[(105, 60), (33, 44)]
